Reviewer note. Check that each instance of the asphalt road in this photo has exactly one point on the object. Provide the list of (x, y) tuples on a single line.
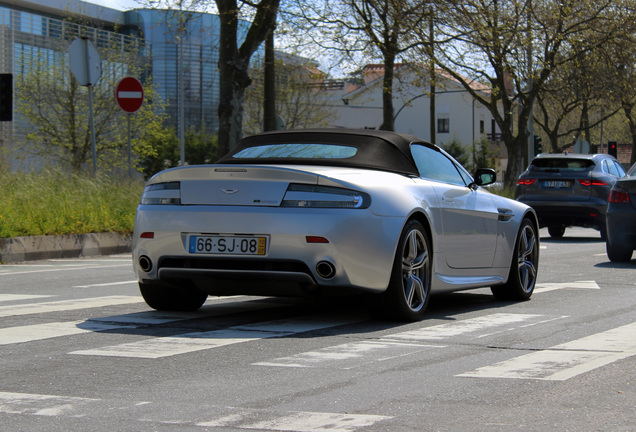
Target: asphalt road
[(80, 351)]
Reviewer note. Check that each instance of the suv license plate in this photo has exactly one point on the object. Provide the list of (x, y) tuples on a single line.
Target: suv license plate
[(227, 245), (560, 184)]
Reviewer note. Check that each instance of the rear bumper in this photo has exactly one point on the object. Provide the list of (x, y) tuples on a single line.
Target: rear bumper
[(587, 214), (361, 248)]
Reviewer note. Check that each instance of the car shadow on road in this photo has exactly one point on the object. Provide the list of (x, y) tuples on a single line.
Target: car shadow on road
[(245, 313)]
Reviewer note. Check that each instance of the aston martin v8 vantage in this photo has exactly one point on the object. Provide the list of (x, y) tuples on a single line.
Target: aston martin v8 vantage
[(331, 211)]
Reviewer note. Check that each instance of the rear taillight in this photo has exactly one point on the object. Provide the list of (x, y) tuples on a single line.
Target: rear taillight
[(587, 182), (162, 194), (526, 182), (315, 196), (618, 196)]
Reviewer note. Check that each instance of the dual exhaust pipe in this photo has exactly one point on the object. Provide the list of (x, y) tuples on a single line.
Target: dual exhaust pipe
[(324, 269)]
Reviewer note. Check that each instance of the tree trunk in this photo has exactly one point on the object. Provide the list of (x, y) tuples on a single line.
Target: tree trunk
[(387, 94), (234, 64)]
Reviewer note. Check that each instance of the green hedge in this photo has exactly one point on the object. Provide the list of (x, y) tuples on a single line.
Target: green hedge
[(53, 202)]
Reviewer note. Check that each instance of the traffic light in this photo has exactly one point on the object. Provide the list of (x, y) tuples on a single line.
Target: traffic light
[(6, 97), (612, 148), (537, 145)]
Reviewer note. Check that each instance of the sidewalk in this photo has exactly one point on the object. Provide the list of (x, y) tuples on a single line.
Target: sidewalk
[(21, 249)]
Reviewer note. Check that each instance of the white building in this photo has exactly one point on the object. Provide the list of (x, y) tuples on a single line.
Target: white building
[(458, 116)]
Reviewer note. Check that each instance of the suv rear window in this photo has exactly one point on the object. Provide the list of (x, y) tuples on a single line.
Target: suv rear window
[(561, 164)]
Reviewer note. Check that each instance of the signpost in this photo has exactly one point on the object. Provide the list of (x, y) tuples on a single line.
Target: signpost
[(130, 97), (86, 66)]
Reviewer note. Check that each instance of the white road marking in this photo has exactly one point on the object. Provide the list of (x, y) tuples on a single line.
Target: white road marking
[(38, 404), (16, 297), (350, 355), (296, 421), (229, 417), (463, 327), (168, 346), (35, 332), (67, 305), (566, 360), (58, 269), (107, 284), (575, 285), (355, 354)]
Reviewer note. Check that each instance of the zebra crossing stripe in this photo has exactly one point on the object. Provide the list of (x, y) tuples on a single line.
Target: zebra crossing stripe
[(66, 305), (231, 417), (17, 297), (567, 360), (42, 405), (297, 421), (350, 355), (35, 332), (457, 328), (168, 346)]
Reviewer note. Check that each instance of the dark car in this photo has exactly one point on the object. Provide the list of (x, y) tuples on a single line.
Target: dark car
[(621, 218), (569, 189)]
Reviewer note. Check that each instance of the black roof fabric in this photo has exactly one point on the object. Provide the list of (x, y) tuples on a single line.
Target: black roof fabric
[(380, 150)]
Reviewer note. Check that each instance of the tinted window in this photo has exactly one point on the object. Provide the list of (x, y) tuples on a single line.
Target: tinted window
[(561, 164), (434, 165), (297, 151)]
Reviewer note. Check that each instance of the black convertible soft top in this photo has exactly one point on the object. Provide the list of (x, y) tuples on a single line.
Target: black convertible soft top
[(379, 150)]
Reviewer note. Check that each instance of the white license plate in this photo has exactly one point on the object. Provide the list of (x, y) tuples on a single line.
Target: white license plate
[(556, 184), (227, 245)]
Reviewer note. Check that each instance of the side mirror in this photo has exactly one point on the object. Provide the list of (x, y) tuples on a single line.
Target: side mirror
[(485, 176)]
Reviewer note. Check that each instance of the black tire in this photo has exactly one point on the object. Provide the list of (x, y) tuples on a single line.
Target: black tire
[(523, 269), (410, 284), (167, 298), (556, 231), (618, 252)]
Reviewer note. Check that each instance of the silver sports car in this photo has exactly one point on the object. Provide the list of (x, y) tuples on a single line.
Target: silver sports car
[(331, 211)]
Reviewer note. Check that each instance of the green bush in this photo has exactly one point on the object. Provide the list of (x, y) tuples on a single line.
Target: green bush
[(54, 202)]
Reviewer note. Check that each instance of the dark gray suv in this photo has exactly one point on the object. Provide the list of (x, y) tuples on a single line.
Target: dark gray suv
[(569, 190)]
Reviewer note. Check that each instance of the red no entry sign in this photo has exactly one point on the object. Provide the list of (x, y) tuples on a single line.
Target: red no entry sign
[(129, 94)]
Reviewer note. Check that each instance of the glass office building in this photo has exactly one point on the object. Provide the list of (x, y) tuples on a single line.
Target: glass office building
[(181, 49)]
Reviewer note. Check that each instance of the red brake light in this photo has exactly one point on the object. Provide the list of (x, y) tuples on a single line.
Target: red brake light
[(592, 183), (526, 182), (618, 196), (316, 239), (147, 235)]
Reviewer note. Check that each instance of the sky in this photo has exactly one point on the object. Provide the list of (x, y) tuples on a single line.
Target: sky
[(116, 4)]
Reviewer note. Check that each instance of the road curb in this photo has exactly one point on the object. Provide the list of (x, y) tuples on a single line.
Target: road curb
[(19, 249)]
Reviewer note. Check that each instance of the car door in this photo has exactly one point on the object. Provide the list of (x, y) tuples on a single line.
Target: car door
[(468, 216)]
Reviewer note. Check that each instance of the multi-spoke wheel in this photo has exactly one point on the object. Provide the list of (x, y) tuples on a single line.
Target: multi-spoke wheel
[(168, 298), (410, 285), (523, 270)]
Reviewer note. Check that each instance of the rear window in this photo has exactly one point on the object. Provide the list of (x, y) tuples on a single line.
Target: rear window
[(561, 164), (297, 151)]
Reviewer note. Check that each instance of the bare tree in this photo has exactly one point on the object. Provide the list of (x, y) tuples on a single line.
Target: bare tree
[(302, 100), (514, 46), (373, 29), (244, 26), (56, 111), (234, 61)]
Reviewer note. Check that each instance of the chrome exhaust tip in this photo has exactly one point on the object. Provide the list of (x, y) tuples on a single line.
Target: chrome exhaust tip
[(145, 264), (325, 269)]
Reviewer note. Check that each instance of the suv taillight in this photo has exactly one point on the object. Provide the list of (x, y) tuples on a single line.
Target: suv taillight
[(618, 196), (586, 182), (526, 182)]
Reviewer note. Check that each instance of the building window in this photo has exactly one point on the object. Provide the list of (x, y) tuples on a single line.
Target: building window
[(443, 125), (482, 127)]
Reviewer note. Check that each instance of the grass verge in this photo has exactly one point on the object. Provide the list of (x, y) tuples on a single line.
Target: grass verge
[(53, 202)]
